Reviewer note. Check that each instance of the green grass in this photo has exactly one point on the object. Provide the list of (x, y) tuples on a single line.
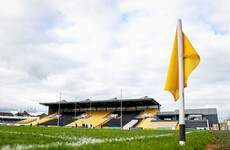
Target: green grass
[(14, 137), (221, 141)]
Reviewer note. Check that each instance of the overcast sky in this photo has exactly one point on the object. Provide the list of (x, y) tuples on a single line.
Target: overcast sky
[(93, 48)]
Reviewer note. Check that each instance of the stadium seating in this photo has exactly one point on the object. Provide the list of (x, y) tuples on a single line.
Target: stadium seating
[(127, 117), (146, 121), (130, 119), (26, 121), (10, 120), (162, 124), (45, 119), (78, 118), (152, 113), (149, 124), (96, 119), (65, 118)]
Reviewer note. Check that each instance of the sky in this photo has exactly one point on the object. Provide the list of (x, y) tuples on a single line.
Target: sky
[(94, 48)]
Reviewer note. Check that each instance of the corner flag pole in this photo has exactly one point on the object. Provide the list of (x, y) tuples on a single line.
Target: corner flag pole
[(181, 83)]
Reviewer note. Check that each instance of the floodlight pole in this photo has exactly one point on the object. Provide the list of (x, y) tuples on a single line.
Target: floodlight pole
[(75, 114), (121, 109), (181, 82), (59, 109)]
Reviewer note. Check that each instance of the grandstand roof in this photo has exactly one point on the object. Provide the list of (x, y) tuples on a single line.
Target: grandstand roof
[(106, 103), (203, 111), (165, 113), (22, 114), (6, 114)]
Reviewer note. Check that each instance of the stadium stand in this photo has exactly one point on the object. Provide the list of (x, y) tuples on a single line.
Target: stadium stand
[(95, 119), (65, 118), (136, 113), (10, 119), (132, 108), (6, 120), (22, 113), (144, 123), (45, 119), (148, 114), (82, 116), (6, 114), (25, 121), (127, 116)]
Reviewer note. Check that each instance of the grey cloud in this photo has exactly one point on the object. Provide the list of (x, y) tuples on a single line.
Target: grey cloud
[(84, 49)]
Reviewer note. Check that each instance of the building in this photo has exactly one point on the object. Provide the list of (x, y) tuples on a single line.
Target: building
[(194, 118)]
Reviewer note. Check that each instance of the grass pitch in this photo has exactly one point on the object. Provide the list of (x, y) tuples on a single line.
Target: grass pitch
[(19, 137)]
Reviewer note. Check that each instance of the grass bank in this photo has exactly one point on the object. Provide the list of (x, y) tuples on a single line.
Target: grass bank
[(221, 141)]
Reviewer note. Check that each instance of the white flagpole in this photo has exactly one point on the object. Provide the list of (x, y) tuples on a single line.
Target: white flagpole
[(181, 83)]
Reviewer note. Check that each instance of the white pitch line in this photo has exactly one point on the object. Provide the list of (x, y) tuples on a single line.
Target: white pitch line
[(80, 142)]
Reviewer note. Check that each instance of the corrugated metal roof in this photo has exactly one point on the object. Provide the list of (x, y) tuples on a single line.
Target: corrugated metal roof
[(106, 103), (166, 113), (204, 111)]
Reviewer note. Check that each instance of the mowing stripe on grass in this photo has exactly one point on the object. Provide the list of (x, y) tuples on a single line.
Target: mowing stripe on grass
[(75, 141), (45, 135)]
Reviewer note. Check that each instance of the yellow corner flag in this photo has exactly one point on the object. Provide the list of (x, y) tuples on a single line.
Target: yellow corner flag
[(191, 60)]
